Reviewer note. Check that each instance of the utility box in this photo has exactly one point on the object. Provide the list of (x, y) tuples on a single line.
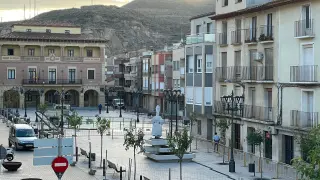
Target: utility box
[(252, 168)]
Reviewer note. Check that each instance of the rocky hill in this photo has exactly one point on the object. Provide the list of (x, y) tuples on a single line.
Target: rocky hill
[(128, 28)]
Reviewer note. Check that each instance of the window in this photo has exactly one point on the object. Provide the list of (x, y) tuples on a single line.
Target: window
[(90, 73), (198, 27), (209, 28), (237, 63), (306, 15), (238, 1), (48, 30), (208, 96), (32, 73), (224, 61), (269, 25), (10, 52), (70, 53), (199, 63), (28, 30), (225, 3), (52, 75), (254, 28), (209, 65), (31, 52), (67, 31), (190, 63), (162, 69), (89, 53), (11, 73), (198, 95), (51, 52), (199, 127)]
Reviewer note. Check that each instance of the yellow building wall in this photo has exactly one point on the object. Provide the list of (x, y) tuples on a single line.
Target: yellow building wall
[(73, 30), (95, 51), (57, 50), (16, 49), (37, 50), (76, 51)]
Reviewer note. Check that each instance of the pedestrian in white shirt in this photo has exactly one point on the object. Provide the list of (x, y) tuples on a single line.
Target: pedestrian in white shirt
[(216, 139)]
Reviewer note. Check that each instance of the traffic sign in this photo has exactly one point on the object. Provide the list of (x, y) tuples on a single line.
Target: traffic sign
[(60, 165)]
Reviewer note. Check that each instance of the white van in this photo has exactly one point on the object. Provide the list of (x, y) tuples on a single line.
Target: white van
[(22, 136)]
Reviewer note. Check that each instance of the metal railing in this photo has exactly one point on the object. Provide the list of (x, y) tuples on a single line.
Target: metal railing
[(223, 38), (228, 73), (266, 33), (200, 38), (304, 28), (259, 113), (257, 73), (236, 37), (307, 73), (222, 109), (250, 35), (51, 81), (304, 119)]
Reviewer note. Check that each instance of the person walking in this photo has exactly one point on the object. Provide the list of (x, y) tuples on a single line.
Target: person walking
[(216, 139), (100, 107)]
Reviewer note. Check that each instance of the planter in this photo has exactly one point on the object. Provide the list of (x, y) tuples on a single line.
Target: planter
[(12, 166)]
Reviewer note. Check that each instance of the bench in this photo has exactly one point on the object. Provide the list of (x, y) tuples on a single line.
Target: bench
[(84, 152), (115, 167)]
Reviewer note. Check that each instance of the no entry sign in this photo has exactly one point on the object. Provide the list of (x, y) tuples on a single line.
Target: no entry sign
[(59, 166)]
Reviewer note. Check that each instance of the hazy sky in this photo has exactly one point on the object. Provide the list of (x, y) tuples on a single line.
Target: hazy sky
[(14, 10)]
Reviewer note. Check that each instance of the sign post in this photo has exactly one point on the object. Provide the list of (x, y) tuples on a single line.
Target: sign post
[(59, 166)]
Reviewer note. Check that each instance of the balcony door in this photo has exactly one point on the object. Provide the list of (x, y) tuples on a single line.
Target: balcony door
[(308, 71), (72, 75), (269, 25), (268, 104), (52, 75), (32, 75), (306, 19), (253, 34), (306, 116), (268, 69)]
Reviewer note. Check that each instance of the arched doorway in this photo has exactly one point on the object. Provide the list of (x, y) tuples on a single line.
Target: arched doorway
[(73, 98), (51, 98), (11, 99), (91, 98)]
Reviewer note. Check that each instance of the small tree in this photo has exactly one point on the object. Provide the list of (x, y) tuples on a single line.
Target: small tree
[(179, 145), (102, 126), (310, 147), (223, 125), (255, 138), (134, 139), (75, 121), (193, 119), (42, 109)]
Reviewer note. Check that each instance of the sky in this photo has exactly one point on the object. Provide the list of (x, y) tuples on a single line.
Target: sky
[(14, 10)]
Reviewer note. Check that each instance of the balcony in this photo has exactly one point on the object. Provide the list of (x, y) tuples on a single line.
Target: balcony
[(304, 29), (259, 113), (304, 74), (52, 81), (250, 36), (146, 90), (251, 3), (232, 73), (67, 58), (302, 120), (52, 58), (223, 39), (11, 58), (91, 59), (200, 38), (266, 34), (236, 37), (31, 58), (221, 108), (257, 73)]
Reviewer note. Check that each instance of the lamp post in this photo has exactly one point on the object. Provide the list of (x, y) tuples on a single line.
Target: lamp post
[(120, 105), (63, 96), (137, 93), (172, 96), (232, 103), (106, 92)]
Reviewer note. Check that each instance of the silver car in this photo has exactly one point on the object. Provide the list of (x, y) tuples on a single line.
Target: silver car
[(22, 136)]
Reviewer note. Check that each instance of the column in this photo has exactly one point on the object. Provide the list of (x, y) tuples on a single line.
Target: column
[(41, 51), (81, 51), (42, 99), (62, 51), (102, 53), (0, 50), (81, 100), (21, 50)]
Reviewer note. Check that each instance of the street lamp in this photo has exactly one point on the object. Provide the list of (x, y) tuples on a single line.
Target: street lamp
[(137, 93), (232, 103), (172, 96), (106, 92), (63, 96), (120, 94)]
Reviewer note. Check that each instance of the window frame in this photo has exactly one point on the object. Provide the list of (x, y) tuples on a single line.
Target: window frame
[(199, 64), (31, 51), (94, 73), (10, 49), (89, 51), (14, 73)]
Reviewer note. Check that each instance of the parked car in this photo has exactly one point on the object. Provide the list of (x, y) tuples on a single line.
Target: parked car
[(116, 103), (22, 136)]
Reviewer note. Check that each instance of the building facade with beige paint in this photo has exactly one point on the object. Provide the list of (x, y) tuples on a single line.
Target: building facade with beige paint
[(51, 57)]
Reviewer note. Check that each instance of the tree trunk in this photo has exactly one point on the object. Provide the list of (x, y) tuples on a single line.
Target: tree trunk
[(260, 161), (101, 152), (190, 134), (75, 137), (180, 169), (135, 168)]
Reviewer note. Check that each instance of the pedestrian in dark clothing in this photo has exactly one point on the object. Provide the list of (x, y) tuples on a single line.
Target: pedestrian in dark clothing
[(100, 107)]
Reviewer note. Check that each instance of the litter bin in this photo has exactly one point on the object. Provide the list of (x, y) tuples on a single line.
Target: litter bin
[(93, 156), (252, 167)]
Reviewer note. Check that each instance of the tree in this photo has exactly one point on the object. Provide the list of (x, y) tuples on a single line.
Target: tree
[(75, 121), (179, 145), (42, 109), (255, 138), (308, 167), (193, 119), (102, 126), (223, 125), (134, 139)]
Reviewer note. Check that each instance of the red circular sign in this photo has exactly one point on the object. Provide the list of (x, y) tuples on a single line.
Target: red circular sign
[(60, 164)]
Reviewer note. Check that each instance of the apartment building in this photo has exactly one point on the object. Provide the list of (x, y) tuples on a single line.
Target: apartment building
[(266, 53), (199, 78), (147, 57), (51, 57)]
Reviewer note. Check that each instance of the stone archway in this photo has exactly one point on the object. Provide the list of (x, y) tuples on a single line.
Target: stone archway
[(91, 98), (11, 99), (73, 98), (51, 98)]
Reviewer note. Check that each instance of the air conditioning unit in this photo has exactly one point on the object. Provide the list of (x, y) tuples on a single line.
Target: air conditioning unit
[(258, 56), (272, 130)]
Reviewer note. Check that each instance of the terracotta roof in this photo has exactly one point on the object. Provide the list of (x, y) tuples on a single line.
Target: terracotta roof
[(202, 15), (257, 8), (46, 24), (49, 36)]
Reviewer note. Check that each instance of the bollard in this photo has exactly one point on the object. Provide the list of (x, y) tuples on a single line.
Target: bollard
[(89, 155), (196, 143), (104, 168), (277, 171), (120, 172), (169, 174), (140, 177), (228, 154), (123, 122), (76, 154), (120, 125), (259, 165), (244, 160), (112, 133)]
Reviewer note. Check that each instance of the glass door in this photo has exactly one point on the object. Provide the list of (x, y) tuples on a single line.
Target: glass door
[(72, 75), (32, 75), (52, 76)]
